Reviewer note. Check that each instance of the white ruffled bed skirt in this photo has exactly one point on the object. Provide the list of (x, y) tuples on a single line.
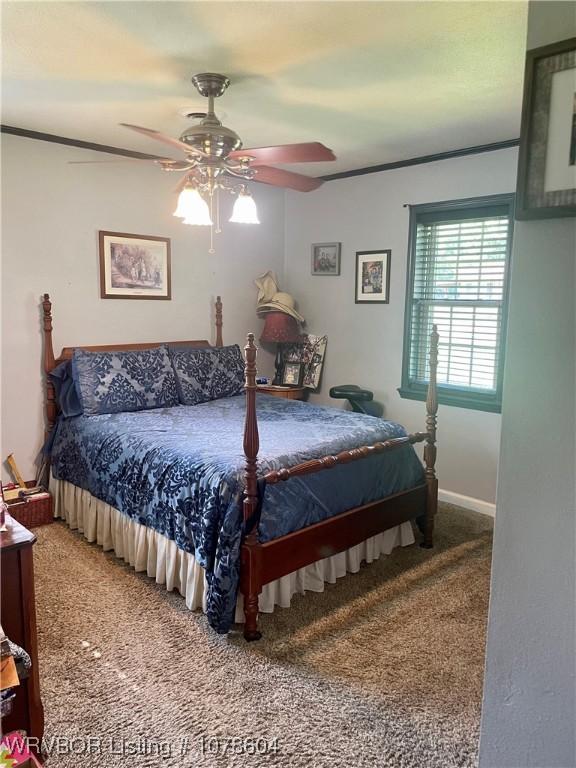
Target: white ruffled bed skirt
[(146, 550)]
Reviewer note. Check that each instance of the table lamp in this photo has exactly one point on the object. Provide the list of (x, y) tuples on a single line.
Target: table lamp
[(279, 328)]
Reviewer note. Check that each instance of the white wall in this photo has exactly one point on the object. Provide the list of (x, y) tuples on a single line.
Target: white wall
[(529, 695), (365, 342), (51, 214)]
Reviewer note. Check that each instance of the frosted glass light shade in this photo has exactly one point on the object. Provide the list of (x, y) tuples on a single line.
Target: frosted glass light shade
[(193, 208), (185, 195), (244, 211)]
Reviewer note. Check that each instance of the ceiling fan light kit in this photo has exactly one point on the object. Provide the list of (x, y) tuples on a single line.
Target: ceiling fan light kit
[(192, 207), (215, 161), (244, 211)]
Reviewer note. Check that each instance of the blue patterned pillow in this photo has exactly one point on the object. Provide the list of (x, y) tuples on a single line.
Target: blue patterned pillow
[(112, 382), (65, 390), (208, 374)]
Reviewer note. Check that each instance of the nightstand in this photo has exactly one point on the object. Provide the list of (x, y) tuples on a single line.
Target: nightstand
[(288, 393)]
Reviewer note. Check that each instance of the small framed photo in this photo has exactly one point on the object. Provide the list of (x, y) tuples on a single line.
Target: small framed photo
[(373, 277), (134, 266), (326, 259), (547, 162), (292, 374)]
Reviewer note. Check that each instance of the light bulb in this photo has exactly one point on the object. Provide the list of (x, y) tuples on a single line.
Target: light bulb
[(244, 211)]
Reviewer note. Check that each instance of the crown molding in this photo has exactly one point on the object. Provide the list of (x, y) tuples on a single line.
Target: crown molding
[(26, 134), (476, 150)]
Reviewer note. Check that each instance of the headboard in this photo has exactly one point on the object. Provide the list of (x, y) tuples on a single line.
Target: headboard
[(50, 362)]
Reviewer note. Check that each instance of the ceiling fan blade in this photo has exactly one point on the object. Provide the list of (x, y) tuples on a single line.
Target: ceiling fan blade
[(152, 134), (311, 152), (123, 160), (98, 162), (280, 178)]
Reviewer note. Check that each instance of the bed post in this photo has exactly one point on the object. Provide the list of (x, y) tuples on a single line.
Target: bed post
[(49, 363), (430, 446), (219, 342), (251, 559)]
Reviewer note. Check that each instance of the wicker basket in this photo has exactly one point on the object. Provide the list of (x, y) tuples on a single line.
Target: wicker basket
[(32, 512)]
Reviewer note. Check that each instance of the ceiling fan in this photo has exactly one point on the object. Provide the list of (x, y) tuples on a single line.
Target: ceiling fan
[(214, 160), (211, 145)]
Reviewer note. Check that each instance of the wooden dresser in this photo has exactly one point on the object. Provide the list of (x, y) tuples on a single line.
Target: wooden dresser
[(18, 619)]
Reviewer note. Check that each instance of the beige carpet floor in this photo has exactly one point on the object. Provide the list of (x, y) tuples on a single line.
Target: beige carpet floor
[(382, 669)]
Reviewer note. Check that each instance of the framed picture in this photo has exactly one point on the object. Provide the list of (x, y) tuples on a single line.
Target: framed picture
[(134, 266), (373, 277), (547, 163), (326, 259), (310, 352), (292, 374)]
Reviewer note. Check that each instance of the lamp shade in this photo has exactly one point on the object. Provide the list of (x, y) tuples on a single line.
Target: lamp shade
[(280, 328)]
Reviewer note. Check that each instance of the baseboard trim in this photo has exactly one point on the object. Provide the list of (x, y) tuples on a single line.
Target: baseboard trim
[(468, 502)]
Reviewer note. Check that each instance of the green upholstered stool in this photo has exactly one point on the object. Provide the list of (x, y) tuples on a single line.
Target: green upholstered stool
[(361, 400)]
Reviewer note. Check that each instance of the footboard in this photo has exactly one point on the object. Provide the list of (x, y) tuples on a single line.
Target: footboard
[(262, 563), (338, 533)]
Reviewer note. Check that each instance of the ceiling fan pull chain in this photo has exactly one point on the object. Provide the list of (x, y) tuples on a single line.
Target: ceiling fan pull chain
[(211, 249), (218, 230)]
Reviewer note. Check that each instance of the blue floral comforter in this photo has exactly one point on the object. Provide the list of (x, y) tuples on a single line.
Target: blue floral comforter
[(179, 471)]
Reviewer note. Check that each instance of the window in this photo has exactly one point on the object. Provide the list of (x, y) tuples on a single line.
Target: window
[(458, 279)]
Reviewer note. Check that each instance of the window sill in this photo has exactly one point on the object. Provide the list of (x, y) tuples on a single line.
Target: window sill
[(457, 400)]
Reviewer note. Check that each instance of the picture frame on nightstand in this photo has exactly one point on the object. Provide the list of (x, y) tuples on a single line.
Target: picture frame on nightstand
[(292, 374)]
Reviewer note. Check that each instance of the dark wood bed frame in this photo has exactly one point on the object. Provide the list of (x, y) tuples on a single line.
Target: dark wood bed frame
[(262, 563)]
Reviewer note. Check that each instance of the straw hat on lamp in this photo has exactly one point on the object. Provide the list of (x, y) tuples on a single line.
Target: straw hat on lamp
[(270, 299)]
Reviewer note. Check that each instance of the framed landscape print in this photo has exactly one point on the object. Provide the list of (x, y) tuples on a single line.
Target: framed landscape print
[(326, 259), (547, 162), (134, 266), (373, 277)]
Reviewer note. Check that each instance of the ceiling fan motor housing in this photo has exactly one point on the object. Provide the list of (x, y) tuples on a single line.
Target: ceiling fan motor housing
[(210, 136), (217, 141)]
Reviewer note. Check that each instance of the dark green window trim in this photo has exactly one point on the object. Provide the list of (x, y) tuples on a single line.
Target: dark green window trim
[(460, 397)]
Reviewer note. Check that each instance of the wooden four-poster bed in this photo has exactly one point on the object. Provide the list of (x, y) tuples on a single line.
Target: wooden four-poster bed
[(262, 562)]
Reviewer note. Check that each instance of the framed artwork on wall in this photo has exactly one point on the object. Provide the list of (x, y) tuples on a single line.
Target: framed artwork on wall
[(547, 163), (134, 266), (373, 277), (326, 259)]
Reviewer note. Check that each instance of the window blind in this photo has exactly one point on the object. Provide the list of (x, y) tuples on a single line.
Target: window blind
[(459, 283)]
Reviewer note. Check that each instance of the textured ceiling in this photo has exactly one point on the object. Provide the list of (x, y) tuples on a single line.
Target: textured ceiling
[(375, 81)]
